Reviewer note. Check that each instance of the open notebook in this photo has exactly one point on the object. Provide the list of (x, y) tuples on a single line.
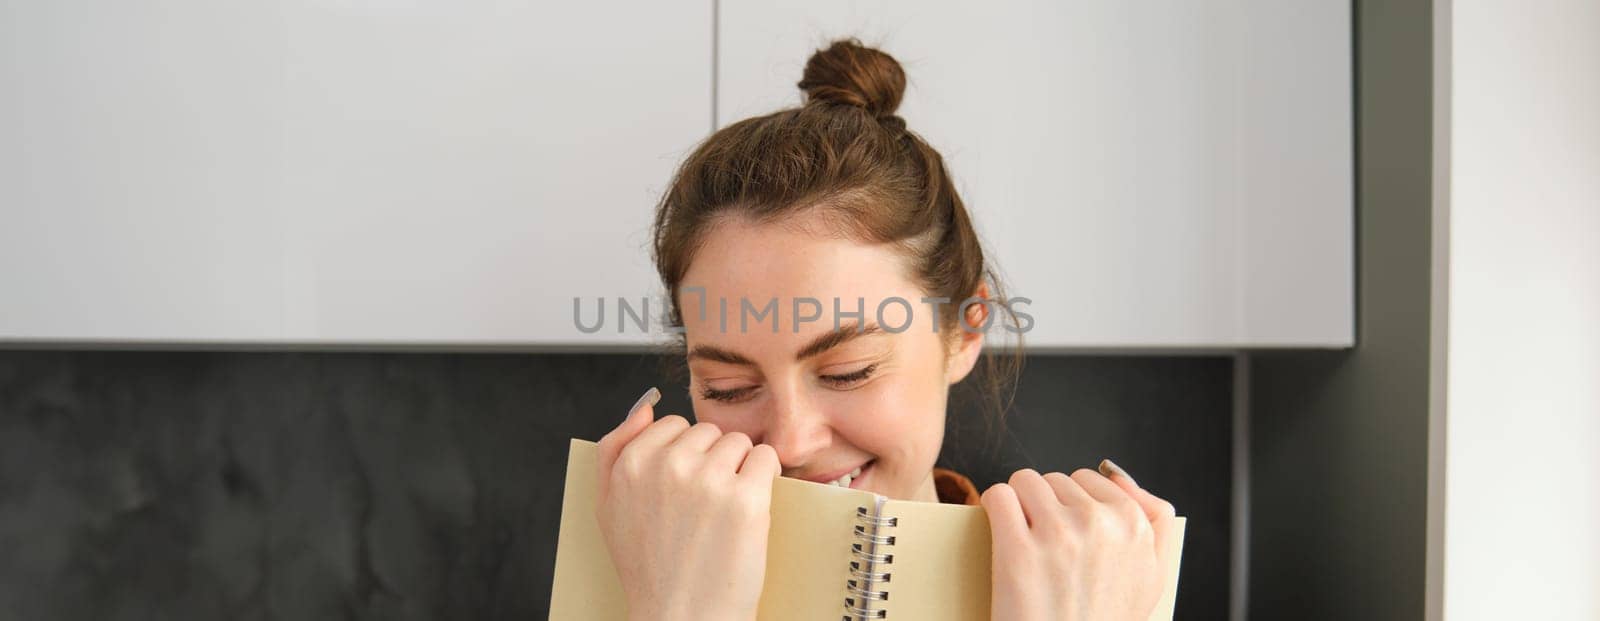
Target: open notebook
[(832, 553)]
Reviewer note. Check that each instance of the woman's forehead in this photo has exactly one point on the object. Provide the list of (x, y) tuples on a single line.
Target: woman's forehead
[(775, 287), (756, 262)]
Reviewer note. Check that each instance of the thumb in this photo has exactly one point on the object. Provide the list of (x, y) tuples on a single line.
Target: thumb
[(639, 417), (1152, 506), (1160, 512)]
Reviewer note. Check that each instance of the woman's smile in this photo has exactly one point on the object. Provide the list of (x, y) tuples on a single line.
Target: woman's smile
[(841, 477)]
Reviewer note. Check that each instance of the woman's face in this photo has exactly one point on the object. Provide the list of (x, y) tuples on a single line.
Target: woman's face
[(829, 401)]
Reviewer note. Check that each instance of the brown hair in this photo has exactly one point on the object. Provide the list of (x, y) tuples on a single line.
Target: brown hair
[(845, 162)]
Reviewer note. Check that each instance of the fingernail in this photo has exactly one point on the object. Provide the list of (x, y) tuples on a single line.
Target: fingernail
[(650, 397), (1108, 468)]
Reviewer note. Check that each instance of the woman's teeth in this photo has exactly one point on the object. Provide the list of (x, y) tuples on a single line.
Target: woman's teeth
[(844, 481)]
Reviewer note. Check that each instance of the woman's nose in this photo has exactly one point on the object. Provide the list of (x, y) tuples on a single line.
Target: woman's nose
[(795, 428)]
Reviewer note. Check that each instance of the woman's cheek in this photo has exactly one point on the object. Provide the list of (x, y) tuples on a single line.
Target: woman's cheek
[(729, 418), (879, 410)]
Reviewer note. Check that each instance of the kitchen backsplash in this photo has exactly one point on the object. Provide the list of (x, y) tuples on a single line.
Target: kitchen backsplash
[(308, 486)]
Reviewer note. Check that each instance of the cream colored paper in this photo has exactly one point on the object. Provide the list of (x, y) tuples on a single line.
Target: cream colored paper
[(940, 570)]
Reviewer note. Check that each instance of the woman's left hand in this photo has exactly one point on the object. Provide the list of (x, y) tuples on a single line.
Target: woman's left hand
[(1084, 547)]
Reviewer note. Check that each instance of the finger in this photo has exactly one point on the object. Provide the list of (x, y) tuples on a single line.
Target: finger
[(1068, 492), (610, 446), (1006, 520), (1112, 471), (1154, 507), (1159, 512), (1106, 492), (1039, 502), (698, 439), (760, 463), (1166, 529), (639, 416), (658, 435), (728, 452)]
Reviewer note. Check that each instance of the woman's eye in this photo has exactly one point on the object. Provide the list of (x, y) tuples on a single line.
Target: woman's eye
[(852, 377), (736, 394)]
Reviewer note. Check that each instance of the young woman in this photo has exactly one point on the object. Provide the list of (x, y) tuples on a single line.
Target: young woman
[(835, 206)]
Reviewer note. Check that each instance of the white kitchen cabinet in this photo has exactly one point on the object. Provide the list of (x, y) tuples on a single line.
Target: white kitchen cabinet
[(1164, 174), (343, 173), (1158, 174)]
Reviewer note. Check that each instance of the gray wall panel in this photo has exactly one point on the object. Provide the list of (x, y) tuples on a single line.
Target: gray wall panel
[(198, 485)]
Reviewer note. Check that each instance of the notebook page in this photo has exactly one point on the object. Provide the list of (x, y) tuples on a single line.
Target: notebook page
[(941, 561), (808, 550), (941, 568), (585, 584)]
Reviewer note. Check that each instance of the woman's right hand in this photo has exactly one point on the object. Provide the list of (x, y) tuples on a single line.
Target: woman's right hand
[(684, 512)]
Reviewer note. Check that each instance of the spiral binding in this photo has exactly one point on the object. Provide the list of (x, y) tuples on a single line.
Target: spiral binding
[(865, 570)]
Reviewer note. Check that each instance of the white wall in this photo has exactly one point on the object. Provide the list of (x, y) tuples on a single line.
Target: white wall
[(1522, 464)]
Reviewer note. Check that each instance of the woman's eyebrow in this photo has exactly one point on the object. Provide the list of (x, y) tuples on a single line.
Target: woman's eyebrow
[(719, 354), (833, 339), (822, 343)]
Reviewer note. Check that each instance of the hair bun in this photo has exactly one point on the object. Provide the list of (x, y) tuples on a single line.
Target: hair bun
[(847, 72)]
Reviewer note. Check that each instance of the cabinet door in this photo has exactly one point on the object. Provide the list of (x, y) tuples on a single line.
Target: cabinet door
[(1150, 174), (337, 172)]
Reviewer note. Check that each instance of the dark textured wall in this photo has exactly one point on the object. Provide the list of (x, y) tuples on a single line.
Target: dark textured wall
[(1339, 440), (307, 486)]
